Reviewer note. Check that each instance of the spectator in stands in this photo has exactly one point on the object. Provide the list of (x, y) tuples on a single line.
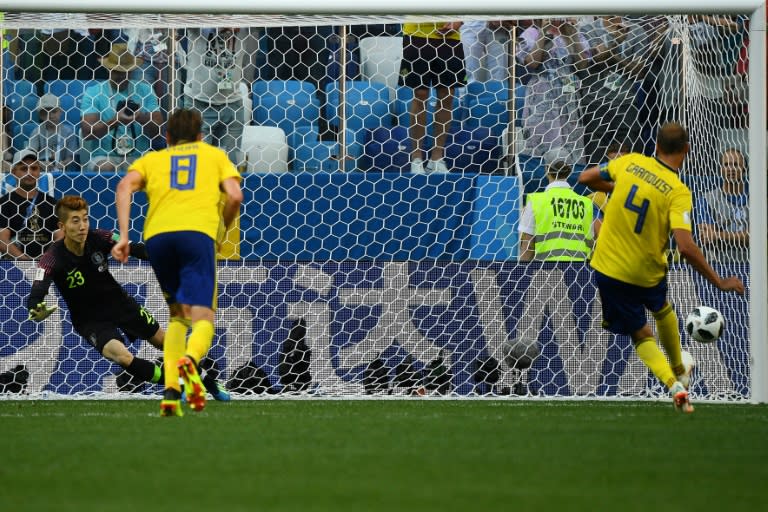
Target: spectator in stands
[(620, 50), (432, 57), (552, 51), (715, 42), (562, 233), (71, 52), (712, 47), (299, 53), (214, 68), (28, 223), (151, 45), (53, 140), (485, 50), (724, 212), (55, 54), (120, 115)]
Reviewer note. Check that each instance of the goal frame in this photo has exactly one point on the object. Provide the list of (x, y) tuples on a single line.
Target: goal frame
[(757, 86)]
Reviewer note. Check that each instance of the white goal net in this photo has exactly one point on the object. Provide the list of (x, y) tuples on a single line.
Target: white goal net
[(354, 270)]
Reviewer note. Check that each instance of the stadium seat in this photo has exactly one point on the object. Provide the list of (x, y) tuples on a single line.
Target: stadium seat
[(380, 58), (21, 99), (301, 135), (266, 149), (366, 105), (476, 150), (316, 156), (285, 103), (388, 150), (487, 105), (487, 110), (324, 155)]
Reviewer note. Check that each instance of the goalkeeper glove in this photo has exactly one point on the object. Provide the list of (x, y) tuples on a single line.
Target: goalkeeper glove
[(41, 312)]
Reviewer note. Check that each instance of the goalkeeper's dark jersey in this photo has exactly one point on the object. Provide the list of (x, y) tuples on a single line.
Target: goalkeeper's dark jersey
[(84, 282)]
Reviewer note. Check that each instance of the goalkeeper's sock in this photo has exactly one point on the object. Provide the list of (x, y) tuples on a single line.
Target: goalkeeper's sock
[(159, 374), (173, 350), (650, 353), (669, 336), (143, 369), (200, 339)]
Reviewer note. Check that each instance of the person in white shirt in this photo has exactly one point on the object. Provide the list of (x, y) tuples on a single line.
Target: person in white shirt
[(53, 139)]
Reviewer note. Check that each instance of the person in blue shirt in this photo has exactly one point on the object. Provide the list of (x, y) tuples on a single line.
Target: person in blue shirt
[(120, 116), (724, 220)]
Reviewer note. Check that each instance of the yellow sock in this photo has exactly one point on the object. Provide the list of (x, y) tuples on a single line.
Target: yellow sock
[(173, 350), (669, 336), (654, 359), (200, 339)]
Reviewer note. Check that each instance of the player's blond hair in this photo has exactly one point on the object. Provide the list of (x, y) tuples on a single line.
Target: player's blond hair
[(68, 204)]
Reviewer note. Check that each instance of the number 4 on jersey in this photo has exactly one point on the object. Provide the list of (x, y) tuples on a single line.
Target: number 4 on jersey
[(641, 210)]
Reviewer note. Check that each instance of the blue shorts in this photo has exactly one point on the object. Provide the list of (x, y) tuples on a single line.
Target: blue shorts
[(185, 266), (624, 304)]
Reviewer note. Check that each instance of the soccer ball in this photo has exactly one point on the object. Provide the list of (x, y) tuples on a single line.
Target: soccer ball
[(705, 324)]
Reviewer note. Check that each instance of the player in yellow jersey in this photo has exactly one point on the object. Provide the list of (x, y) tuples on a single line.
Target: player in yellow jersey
[(648, 203), (184, 184)]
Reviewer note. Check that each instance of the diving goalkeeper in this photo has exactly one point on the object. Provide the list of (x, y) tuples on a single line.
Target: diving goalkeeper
[(99, 307)]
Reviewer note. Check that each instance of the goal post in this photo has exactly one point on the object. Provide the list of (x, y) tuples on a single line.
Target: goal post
[(758, 96), (400, 282)]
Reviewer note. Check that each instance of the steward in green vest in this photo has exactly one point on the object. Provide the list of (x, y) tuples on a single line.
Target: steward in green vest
[(557, 224)]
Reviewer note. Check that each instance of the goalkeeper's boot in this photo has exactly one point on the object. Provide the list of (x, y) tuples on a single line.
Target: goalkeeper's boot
[(193, 385), (170, 408), (216, 389), (680, 398)]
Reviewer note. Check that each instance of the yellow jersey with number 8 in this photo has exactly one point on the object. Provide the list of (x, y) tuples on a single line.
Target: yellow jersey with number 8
[(648, 201), (182, 185)]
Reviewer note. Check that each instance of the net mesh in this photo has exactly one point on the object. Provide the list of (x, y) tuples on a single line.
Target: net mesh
[(350, 271)]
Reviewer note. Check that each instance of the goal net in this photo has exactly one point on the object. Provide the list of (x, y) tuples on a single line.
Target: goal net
[(352, 270)]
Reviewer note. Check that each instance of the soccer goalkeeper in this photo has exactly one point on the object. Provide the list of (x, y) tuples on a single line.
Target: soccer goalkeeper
[(99, 307)]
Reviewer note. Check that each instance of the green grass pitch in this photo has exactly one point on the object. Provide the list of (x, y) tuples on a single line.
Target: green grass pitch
[(385, 455)]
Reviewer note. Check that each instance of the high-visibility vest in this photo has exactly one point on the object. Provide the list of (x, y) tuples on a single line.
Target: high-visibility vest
[(563, 225)]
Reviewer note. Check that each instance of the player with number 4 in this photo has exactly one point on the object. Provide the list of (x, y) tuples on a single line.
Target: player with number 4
[(648, 203), (184, 184)]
